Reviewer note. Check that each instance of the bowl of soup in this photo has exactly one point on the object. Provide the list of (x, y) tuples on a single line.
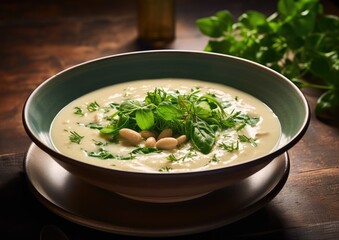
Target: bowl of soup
[(165, 125)]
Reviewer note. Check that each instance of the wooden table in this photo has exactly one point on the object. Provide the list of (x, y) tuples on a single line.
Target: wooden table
[(40, 38)]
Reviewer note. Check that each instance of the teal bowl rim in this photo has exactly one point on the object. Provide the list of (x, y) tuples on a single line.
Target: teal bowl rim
[(263, 160)]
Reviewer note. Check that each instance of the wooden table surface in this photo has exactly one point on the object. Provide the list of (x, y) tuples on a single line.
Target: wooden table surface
[(40, 38)]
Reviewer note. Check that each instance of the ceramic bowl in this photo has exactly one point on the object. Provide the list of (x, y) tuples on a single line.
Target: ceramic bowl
[(276, 91)]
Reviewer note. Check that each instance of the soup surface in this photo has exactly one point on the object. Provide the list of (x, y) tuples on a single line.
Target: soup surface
[(218, 126)]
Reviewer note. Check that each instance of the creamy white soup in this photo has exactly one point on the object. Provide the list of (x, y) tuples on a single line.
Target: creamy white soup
[(165, 125)]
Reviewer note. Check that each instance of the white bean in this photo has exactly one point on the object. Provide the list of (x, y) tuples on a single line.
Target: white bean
[(133, 137), (182, 139), (165, 133), (166, 143), (147, 134), (150, 142)]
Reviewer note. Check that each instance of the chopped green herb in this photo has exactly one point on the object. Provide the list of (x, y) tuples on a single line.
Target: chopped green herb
[(214, 159), (79, 111), (230, 147), (173, 158), (75, 137), (93, 106), (165, 169), (240, 126), (104, 154), (252, 141), (145, 150), (99, 143), (94, 126)]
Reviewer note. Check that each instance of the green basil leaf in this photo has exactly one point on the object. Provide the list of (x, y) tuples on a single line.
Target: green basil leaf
[(114, 129), (305, 17), (215, 26), (209, 27), (109, 130), (253, 19), (144, 118), (286, 8), (168, 112), (221, 46), (203, 109), (292, 39), (129, 106), (202, 136), (225, 19)]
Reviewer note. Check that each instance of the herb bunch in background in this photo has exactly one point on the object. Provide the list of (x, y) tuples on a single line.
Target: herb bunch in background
[(298, 40)]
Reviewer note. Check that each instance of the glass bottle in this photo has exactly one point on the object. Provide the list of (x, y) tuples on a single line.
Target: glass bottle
[(156, 21)]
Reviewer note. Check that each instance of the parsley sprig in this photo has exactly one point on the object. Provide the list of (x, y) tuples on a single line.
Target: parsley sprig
[(298, 40)]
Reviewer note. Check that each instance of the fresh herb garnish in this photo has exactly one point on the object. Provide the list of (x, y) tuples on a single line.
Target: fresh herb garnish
[(93, 106), (202, 135), (173, 158), (165, 169), (99, 143), (114, 105), (230, 147), (298, 41), (104, 154), (79, 111), (244, 138), (196, 115), (214, 159), (145, 150), (75, 137), (94, 126)]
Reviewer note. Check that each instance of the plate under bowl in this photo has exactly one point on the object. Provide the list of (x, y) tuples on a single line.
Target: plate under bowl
[(87, 205)]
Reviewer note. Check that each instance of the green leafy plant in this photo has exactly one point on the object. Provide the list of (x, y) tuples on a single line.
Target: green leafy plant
[(298, 40)]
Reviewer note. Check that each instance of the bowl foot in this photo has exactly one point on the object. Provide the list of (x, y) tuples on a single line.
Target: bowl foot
[(163, 199)]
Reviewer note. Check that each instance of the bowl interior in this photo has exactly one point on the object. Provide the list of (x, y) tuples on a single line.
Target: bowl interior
[(273, 89)]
